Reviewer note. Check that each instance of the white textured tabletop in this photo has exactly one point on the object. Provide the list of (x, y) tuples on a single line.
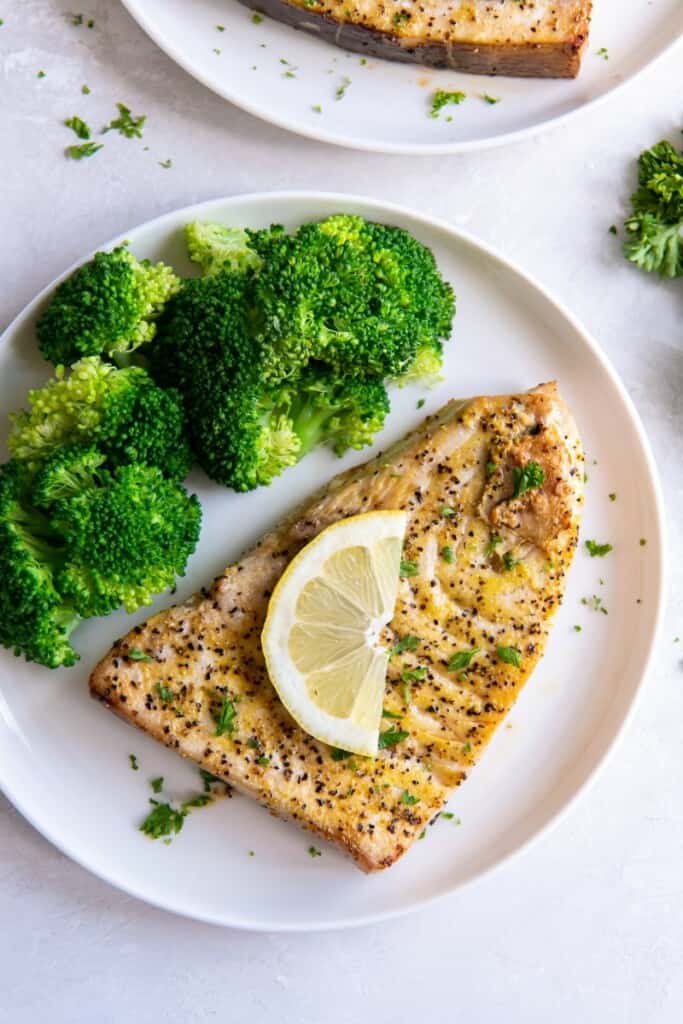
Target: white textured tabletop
[(588, 924)]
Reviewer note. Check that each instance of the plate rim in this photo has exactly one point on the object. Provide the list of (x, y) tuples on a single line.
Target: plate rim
[(146, 23), (660, 570)]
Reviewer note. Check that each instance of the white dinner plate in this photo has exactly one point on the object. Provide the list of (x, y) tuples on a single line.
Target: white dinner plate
[(64, 759), (283, 75)]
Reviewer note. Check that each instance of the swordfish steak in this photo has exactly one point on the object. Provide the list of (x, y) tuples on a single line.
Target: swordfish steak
[(487, 571), (529, 38)]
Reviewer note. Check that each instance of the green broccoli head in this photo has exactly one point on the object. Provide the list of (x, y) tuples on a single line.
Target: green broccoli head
[(35, 620), (246, 434), (241, 434), (654, 238), (123, 412), (127, 535), (342, 414), (361, 297), (205, 330), (217, 247), (106, 307)]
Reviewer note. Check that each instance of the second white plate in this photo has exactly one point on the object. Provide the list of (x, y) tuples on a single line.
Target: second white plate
[(64, 758), (284, 76)]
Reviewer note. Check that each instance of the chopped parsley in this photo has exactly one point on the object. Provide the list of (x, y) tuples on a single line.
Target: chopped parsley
[(86, 149), (390, 737), (603, 52), (85, 89), (447, 815), (595, 603), (78, 126), (390, 714), (317, 109), (413, 675), (400, 18), (462, 659), (510, 655), (135, 654), (493, 543), (447, 511), (208, 779), (162, 820), (263, 760), (256, 19), (422, 834), (166, 163), (420, 402), (157, 784), (408, 568), (220, 28), (442, 98), (200, 800), (467, 748), (126, 124), (509, 561), (339, 755), (526, 478), (492, 100), (314, 852), (341, 89), (406, 643), (490, 468), (165, 693), (447, 554), (612, 496), (133, 762), (41, 74), (613, 229), (409, 799), (643, 542), (225, 720), (596, 550)]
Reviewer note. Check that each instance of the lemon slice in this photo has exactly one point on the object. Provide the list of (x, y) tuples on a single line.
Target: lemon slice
[(321, 635)]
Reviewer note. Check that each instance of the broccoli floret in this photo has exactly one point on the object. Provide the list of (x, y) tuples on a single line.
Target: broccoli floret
[(204, 331), (65, 473), (324, 410), (106, 307), (123, 412), (215, 247), (35, 620), (248, 434), (362, 297), (242, 435), (127, 534), (654, 239)]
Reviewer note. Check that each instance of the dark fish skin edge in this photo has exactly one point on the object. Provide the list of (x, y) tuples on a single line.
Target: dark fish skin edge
[(524, 60)]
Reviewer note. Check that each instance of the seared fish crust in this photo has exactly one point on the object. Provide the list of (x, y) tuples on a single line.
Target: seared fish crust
[(528, 38), (489, 571)]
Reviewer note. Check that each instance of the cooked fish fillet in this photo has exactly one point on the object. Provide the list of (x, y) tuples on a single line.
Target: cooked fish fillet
[(495, 588), (530, 38)]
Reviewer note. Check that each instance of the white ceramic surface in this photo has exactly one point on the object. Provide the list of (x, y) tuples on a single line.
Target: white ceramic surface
[(60, 752), (282, 75)]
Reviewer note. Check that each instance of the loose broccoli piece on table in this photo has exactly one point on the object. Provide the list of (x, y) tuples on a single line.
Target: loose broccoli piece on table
[(215, 247), (106, 307), (35, 620), (127, 534), (123, 412), (654, 231)]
